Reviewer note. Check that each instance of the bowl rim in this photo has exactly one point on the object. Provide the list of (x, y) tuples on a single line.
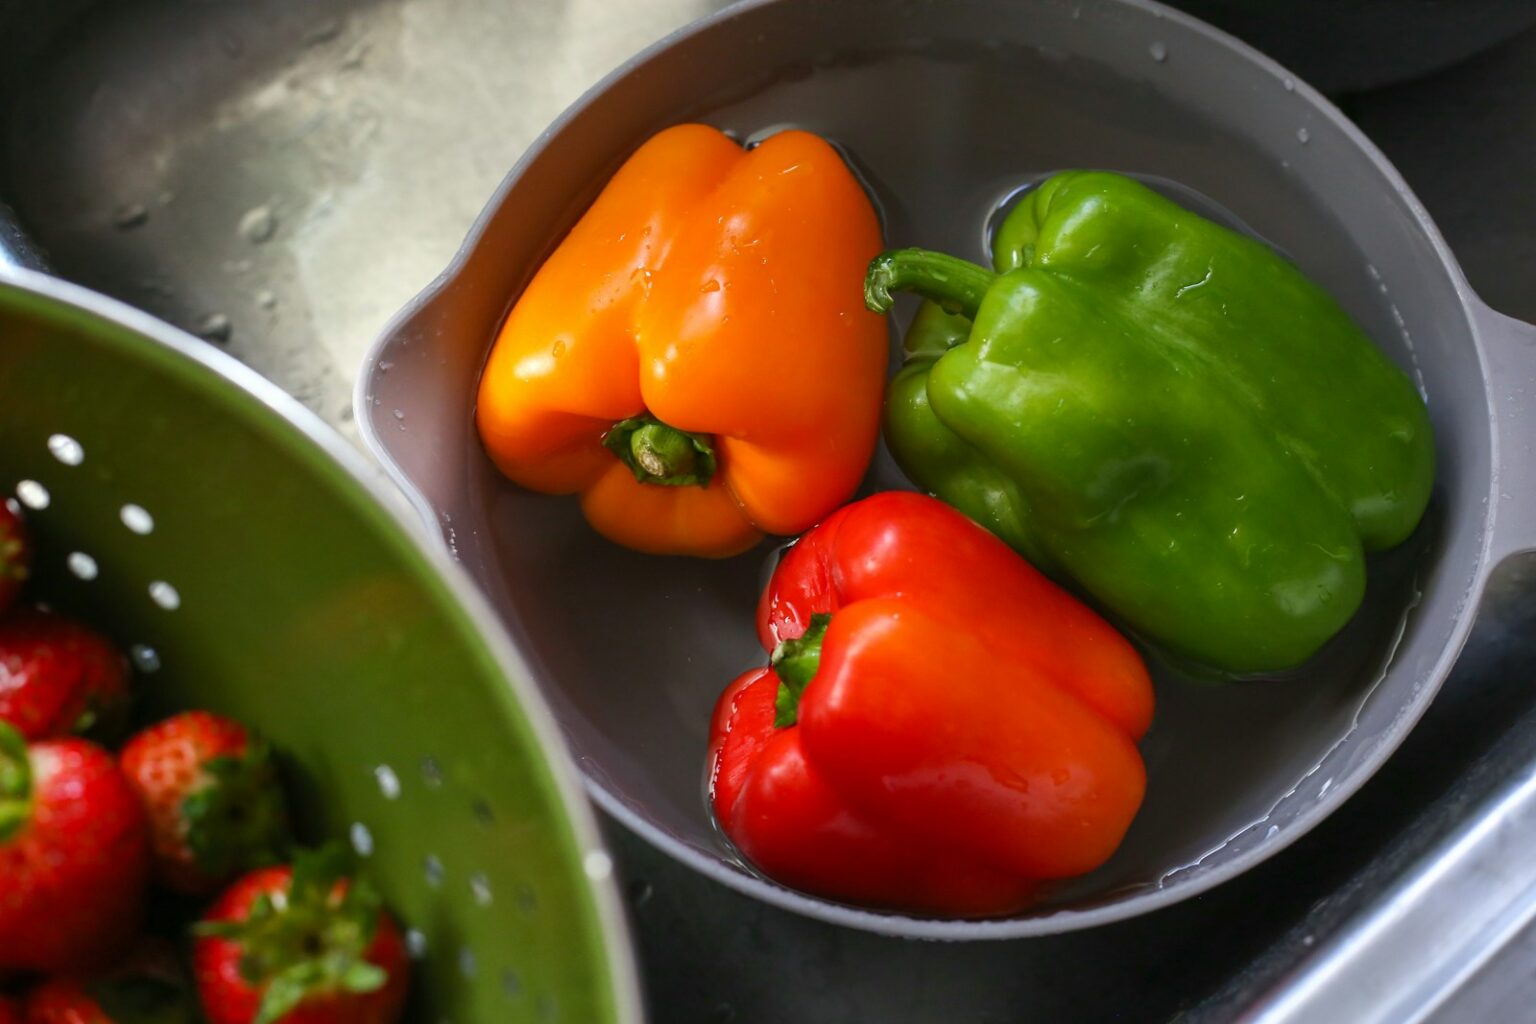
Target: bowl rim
[(597, 864), (1156, 897)]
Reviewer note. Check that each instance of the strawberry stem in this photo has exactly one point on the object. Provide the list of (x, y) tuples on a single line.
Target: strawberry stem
[(311, 940)]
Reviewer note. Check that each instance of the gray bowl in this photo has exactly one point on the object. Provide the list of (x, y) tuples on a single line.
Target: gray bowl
[(946, 109)]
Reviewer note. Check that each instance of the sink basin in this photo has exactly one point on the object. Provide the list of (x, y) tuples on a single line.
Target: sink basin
[(279, 176)]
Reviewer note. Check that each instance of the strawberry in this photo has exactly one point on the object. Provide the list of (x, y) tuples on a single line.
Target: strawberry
[(58, 677), (212, 796), (147, 988), (300, 945), (15, 559), (74, 855)]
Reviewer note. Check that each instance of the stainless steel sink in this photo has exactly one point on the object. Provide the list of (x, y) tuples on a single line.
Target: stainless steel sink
[(279, 176)]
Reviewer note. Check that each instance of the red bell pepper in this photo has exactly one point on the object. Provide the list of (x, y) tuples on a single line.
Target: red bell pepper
[(940, 729)]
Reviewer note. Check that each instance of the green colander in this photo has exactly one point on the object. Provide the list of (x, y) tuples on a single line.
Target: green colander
[(253, 564)]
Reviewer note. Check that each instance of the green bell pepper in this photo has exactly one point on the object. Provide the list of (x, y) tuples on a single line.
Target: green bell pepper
[(1163, 410)]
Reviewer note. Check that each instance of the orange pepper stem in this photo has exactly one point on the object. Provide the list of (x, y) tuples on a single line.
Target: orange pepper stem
[(795, 661), (957, 285), (661, 454)]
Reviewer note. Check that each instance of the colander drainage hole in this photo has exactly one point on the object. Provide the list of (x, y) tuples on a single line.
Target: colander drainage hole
[(137, 519), (415, 944), (511, 984), (66, 449), (164, 595), (431, 772), (145, 658), (480, 888), (33, 495), (598, 865), (362, 839), (82, 565), (433, 868), (467, 962), (389, 782)]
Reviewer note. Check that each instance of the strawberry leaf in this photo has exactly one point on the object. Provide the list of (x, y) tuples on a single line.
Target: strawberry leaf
[(237, 820), (15, 782)]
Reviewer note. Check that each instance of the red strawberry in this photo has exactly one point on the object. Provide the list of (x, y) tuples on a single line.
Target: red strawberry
[(74, 855), (57, 677), (301, 945), (211, 792), (15, 559), (138, 992)]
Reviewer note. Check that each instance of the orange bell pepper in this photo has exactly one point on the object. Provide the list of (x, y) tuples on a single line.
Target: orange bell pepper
[(695, 359)]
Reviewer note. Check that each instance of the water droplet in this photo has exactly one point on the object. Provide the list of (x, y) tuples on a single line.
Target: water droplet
[(266, 299), (362, 839), (432, 868), (467, 962), (1303, 136), (66, 449), (1159, 52), (82, 565), (145, 658), (711, 285), (33, 495), (215, 327), (399, 414), (164, 595), (480, 888), (640, 893), (389, 782), (559, 349), (1271, 832), (131, 216), (1289, 84), (137, 519), (259, 224)]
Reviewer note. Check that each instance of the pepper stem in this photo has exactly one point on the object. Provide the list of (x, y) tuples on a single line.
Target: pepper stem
[(661, 454), (957, 285), (796, 661), (15, 782)]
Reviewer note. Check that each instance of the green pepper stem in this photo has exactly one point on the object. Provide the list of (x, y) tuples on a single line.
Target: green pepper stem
[(957, 285), (15, 782), (661, 454), (795, 662)]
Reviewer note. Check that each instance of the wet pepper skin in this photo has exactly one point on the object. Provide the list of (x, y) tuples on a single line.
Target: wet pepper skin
[(716, 290), (1167, 412), (967, 731)]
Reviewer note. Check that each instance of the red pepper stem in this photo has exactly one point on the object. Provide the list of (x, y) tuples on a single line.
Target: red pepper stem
[(15, 782), (795, 662), (957, 285)]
